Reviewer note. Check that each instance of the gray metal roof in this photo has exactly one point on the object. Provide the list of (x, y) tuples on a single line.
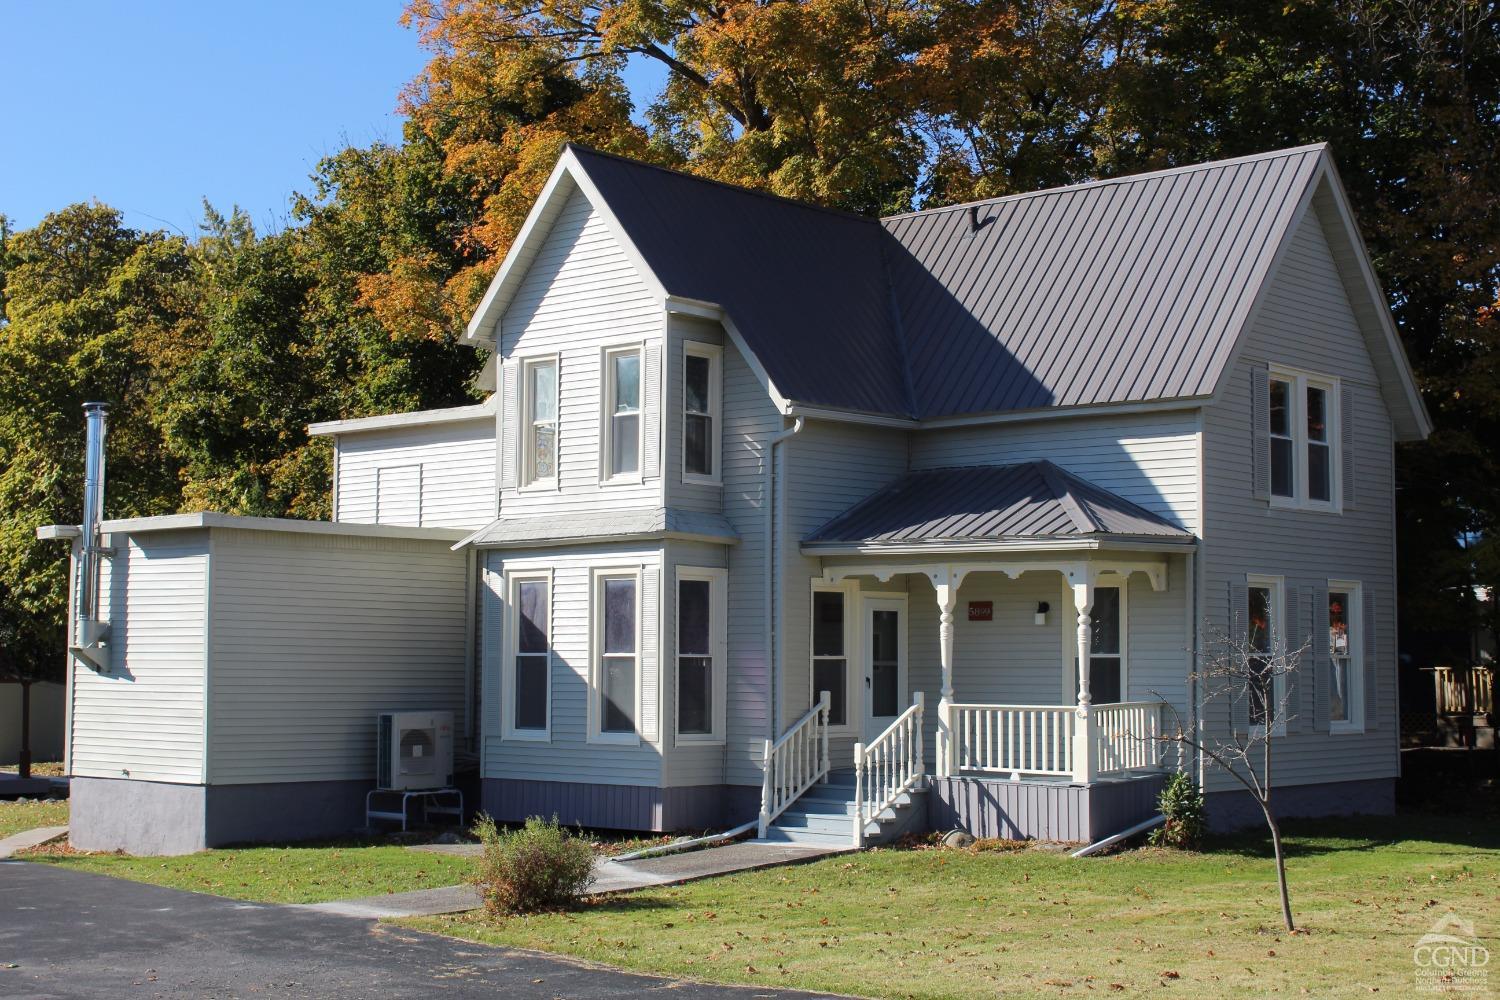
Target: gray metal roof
[(644, 522), (1033, 500), (1124, 290)]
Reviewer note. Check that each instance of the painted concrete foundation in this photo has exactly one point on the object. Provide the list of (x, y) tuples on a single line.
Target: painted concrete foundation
[(1037, 810), (1236, 810), (621, 807)]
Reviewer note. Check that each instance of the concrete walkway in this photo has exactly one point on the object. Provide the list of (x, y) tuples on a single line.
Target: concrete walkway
[(27, 839), (610, 876)]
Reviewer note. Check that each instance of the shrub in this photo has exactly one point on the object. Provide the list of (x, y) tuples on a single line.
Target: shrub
[(1181, 803), (539, 867)]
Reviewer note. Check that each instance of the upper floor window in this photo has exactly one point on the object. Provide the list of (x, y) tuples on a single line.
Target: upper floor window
[(539, 426), (622, 414), (700, 412), (1302, 417)]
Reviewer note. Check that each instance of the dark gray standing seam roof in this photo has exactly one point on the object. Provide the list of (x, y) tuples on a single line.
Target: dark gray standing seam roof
[(1032, 500), (1117, 291)]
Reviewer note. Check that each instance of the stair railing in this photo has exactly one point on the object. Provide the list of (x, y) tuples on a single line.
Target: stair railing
[(888, 767), (797, 760)]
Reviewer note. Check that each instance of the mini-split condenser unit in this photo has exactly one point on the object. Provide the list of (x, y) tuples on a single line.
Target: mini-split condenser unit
[(414, 750)]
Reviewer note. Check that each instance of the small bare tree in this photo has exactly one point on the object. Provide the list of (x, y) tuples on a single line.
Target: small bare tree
[(1251, 678)]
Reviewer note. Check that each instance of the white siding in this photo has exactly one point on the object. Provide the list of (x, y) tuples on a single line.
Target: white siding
[(1150, 458), (1306, 322), (581, 294), (144, 719), (568, 755), (454, 463), (313, 636)]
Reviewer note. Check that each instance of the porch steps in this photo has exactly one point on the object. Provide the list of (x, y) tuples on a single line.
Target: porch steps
[(824, 816)]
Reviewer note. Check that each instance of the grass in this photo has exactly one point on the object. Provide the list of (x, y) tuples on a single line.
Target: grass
[(39, 769), (17, 815), (945, 923), (299, 874)]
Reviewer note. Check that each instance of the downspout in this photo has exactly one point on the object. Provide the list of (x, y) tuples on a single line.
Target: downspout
[(89, 632), (773, 576)]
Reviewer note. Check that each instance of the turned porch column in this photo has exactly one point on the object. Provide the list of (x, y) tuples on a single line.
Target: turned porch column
[(1085, 767), (946, 584)]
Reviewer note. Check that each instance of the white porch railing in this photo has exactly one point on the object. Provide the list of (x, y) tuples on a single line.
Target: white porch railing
[(888, 767), (1013, 739), (1125, 736), (794, 762)]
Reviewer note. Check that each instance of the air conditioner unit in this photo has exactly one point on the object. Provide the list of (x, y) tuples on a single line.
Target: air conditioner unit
[(414, 750)]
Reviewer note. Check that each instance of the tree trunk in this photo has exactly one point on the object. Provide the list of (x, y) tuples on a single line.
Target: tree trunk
[(1286, 902)]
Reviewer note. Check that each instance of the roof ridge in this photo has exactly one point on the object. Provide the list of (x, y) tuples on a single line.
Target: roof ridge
[(739, 188), (1107, 181), (1059, 482), (898, 328)]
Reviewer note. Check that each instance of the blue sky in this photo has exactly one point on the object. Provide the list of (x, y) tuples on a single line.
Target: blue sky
[(151, 105)]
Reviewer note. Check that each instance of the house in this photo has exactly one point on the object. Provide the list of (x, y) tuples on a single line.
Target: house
[(842, 525)]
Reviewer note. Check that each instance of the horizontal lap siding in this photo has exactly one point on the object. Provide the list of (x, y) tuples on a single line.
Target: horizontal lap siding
[(144, 719), (1306, 322), (457, 462), (580, 293), (568, 756), (1150, 459), (313, 637)]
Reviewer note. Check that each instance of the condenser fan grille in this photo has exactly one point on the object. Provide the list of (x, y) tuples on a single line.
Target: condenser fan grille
[(418, 748)]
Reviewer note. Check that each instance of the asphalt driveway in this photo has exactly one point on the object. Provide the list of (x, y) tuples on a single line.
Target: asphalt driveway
[(73, 934)]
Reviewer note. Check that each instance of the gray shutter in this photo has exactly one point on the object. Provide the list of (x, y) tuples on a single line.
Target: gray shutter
[(1372, 693), (1239, 616), (1346, 443), (510, 426), (1322, 663), (1296, 634), (1260, 417), (651, 404)]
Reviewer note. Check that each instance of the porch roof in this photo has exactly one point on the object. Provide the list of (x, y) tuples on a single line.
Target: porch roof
[(1024, 503)]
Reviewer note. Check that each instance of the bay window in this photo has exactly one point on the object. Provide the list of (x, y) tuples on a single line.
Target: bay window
[(700, 412), (616, 660), (701, 609)]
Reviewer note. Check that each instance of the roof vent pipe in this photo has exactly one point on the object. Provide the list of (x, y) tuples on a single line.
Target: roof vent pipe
[(89, 632)]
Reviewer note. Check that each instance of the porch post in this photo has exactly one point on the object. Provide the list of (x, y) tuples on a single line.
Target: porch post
[(947, 597), (1085, 767)]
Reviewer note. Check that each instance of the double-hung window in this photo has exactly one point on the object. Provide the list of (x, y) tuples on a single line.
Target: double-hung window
[(1303, 415), (700, 412), (1346, 700), (701, 608), (528, 663), (830, 652), (539, 425), (617, 655), (1107, 650), (1265, 642), (621, 434)]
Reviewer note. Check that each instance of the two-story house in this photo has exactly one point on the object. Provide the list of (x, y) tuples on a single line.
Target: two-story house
[(837, 524)]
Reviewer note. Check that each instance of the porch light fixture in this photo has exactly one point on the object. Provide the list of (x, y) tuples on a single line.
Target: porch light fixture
[(1042, 607)]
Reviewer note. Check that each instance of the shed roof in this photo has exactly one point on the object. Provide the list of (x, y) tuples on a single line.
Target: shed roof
[(1032, 500)]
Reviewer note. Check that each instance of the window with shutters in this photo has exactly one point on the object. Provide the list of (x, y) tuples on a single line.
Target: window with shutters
[(527, 665), (1346, 675), (701, 406), (1265, 639), (701, 648), (615, 675), (1302, 415), (620, 435), (539, 422)]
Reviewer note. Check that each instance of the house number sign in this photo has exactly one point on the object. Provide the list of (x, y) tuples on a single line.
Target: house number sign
[(981, 611)]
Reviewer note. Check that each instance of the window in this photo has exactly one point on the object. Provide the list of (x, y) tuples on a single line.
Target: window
[(1107, 656), (528, 665), (700, 412), (1303, 415), (621, 434), (1346, 702), (830, 659), (701, 608), (1264, 641), (617, 654), (540, 424)]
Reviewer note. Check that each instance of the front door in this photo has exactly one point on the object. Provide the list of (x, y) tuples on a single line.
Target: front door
[(884, 663)]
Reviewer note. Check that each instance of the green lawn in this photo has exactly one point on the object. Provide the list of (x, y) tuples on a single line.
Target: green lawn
[(941, 923), (28, 814), (302, 874)]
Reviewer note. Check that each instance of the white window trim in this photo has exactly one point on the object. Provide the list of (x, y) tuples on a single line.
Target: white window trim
[(508, 730), (1120, 583), (1277, 586), (853, 720), (607, 354), (528, 484), (597, 576), (1355, 615), (1300, 381), (715, 356), (718, 611)]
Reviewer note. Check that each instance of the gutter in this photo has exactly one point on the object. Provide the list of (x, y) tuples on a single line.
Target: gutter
[(773, 574)]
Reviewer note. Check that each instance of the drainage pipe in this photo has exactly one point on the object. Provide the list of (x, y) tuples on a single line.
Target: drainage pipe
[(680, 845), (1100, 845), (773, 578)]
